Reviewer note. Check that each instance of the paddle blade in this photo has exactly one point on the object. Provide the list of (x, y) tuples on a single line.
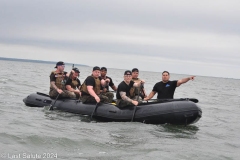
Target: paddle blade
[(50, 107), (46, 108)]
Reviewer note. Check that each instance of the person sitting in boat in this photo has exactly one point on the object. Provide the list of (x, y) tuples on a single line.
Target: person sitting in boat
[(73, 83), (57, 82), (135, 73), (124, 97), (166, 88), (105, 90), (91, 87)]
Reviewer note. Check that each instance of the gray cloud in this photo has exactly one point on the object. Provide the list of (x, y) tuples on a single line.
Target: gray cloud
[(185, 33), (212, 16)]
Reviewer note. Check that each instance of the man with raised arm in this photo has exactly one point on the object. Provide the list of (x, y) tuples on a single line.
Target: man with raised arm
[(105, 90), (135, 78), (166, 88)]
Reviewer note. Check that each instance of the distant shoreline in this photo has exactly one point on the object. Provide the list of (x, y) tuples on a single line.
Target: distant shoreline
[(35, 61)]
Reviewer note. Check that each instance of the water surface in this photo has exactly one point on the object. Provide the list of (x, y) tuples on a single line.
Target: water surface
[(33, 132)]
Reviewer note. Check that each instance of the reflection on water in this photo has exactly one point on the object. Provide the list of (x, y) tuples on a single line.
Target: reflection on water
[(175, 131), (181, 130), (65, 116)]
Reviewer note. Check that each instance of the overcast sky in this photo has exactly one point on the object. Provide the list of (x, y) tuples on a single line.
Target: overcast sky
[(195, 37)]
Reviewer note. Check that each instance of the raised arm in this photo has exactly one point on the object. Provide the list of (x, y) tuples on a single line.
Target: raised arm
[(184, 80), (138, 84), (105, 82)]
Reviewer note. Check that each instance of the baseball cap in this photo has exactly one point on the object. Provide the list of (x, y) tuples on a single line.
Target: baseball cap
[(135, 70), (76, 70), (96, 68), (59, 63), (127, 72), (104, 68)]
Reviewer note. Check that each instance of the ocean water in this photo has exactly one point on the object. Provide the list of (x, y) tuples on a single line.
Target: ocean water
[(35, 133)]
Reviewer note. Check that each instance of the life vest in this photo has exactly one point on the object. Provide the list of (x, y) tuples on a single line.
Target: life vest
[(59, 79), (96, 88), (134, 90), (74, 83)]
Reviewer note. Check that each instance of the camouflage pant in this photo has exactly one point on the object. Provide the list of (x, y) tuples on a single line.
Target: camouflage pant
[(65, 94), (121, 103), (91, 99), (110, 96), (139, 99)]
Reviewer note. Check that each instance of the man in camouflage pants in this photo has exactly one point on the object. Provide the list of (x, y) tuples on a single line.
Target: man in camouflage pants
[(91, 87), (124, 96), (57, 82)]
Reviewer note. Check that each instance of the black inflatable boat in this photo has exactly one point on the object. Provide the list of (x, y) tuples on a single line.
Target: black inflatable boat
[(175, 111)]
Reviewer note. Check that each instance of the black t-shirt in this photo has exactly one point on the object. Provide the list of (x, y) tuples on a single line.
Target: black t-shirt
[(69, 82), (90, 81), (165, 90), (123, 87), (110, 83), (54, 76)]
